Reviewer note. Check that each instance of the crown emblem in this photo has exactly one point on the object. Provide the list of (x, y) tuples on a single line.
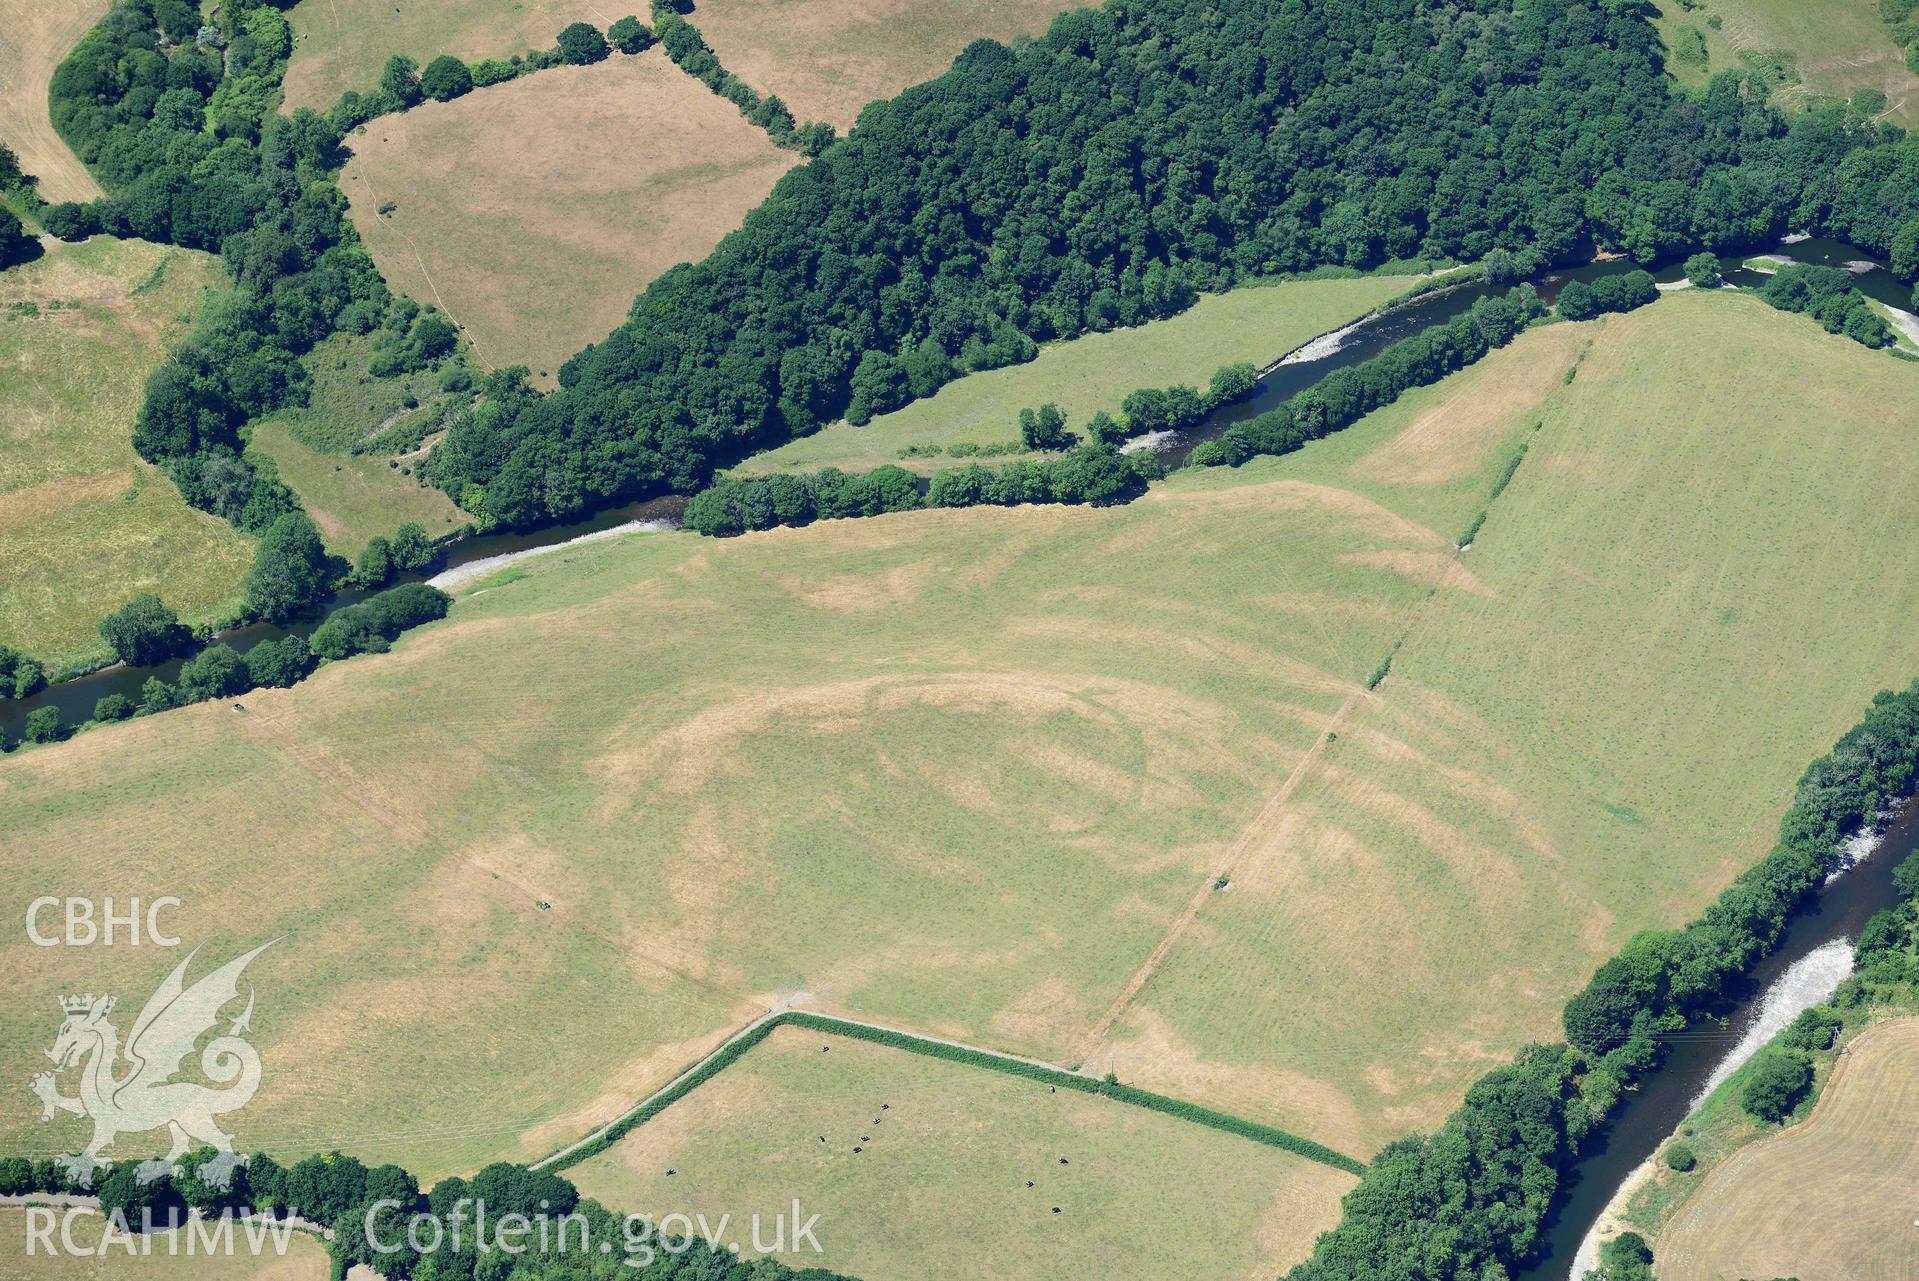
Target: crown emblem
[(81, 1004)]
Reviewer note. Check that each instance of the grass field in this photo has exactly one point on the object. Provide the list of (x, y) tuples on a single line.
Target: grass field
[(352, 498), (966, 771), (534, 212), (1841, 46), (1258, 323), (343, 44), (1683, 597), (1828, 1199), (920, 767), (84, 524), (305, 1259), (35, 37), (829, 58), (1142, 1194)]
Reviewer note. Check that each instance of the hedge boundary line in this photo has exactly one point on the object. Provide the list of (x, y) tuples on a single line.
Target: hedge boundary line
[(1006, 1064)]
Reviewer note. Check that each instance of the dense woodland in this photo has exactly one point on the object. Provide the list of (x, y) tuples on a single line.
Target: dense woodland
[(1138, 153), (1099, 176), (178, 120)]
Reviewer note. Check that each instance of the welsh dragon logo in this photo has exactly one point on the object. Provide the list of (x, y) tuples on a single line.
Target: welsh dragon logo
[(130, 1089)]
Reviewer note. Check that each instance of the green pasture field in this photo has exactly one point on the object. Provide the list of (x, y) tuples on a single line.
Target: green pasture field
[(351, 497), (546, 853), (969, 772), (1692, 585), (84, 523), (942, 1175), (1256, 323)]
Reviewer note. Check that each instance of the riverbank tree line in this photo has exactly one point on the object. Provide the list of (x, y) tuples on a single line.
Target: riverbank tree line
[(291, 573), (1102, 174), (1346, 395), (1583, 300), (1470, 1199), (1778, 1085), (1098, 176), (1141, 412), (1100, 474), (1096, 474), (1830, 296)]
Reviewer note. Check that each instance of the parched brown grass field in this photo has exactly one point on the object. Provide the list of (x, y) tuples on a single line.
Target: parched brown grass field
[(35, 37), (978, 772), (829, 58), (343, 44), (534, 211), (1839, 46), (1829, 1199)]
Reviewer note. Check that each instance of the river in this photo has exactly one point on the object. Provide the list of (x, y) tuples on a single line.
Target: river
[(1288, 376), (1704, 1054), (481, 552)]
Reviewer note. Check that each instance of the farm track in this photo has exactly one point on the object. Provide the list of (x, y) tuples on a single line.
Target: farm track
[(1266, 823)]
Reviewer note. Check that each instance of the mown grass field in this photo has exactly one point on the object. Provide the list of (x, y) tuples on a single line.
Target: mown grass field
[(35, 37), (1258, 323), (1686, 594), (352, 498), (965, 771), (343, 44), (948, 1163), (84, 523), (535, 211), (305, 1258), (829, 58), (1840, 46), (1828, 1199), (922, 767)]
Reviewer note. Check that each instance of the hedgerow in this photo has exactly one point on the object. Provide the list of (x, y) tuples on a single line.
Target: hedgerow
[(930, 1048)]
